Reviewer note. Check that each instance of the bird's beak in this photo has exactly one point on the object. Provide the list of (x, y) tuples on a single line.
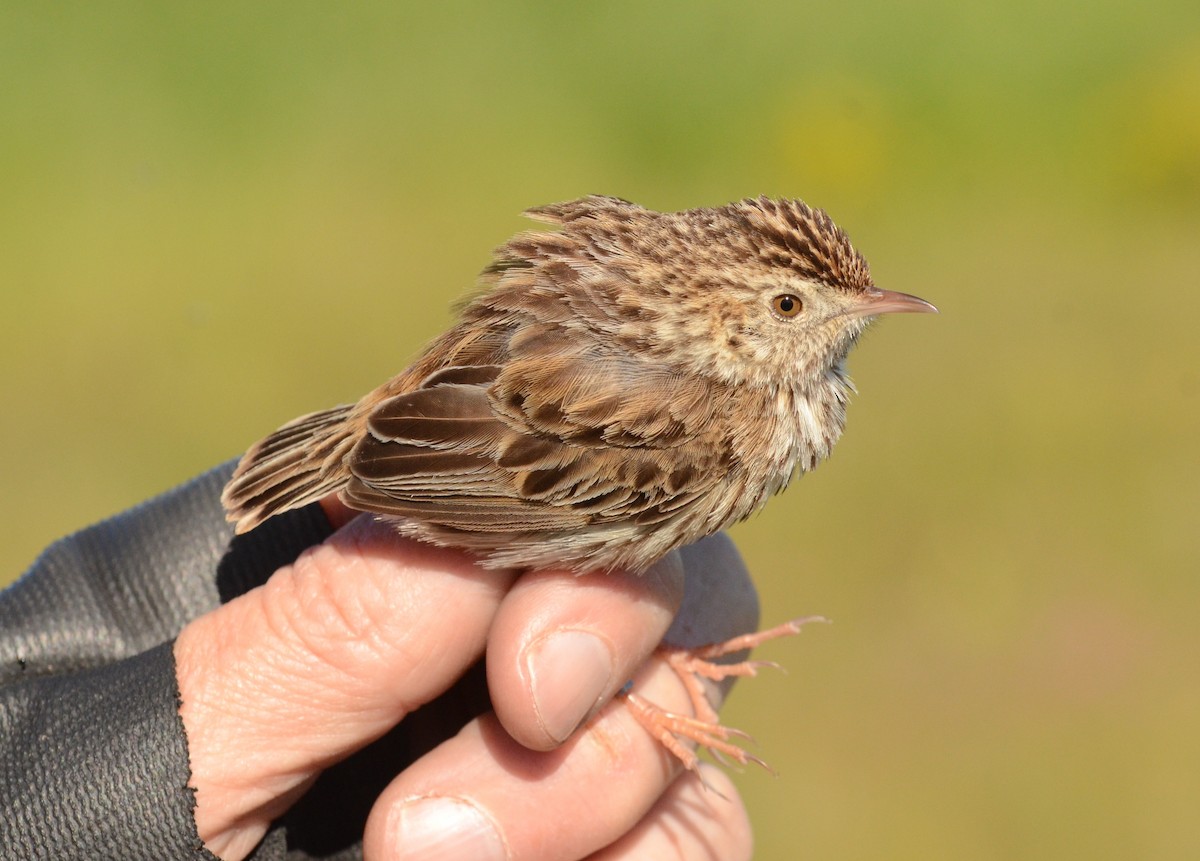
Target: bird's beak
[(875, 301)]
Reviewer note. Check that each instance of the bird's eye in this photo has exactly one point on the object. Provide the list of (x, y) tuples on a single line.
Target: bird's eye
[(787, 305)]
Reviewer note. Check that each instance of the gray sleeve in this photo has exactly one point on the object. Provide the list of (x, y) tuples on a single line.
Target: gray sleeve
[(93, 757)]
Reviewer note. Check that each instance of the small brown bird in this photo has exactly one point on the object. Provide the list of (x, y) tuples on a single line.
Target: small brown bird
[(624, 385)]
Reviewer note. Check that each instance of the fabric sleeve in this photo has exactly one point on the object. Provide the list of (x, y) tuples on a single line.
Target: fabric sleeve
[(93, 757)]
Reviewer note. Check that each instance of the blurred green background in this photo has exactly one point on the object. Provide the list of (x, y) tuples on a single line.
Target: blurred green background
[(215, 217)]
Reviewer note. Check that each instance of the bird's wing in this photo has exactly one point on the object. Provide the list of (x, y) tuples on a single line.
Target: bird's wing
[(560, 435)]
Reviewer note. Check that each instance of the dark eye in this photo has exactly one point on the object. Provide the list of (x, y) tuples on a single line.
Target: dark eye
[(787, 305)]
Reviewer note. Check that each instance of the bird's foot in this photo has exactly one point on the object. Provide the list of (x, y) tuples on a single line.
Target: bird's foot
[(704, 729)]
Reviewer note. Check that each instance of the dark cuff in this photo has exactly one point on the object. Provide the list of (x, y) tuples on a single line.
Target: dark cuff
[(96, 765), (93, 758)]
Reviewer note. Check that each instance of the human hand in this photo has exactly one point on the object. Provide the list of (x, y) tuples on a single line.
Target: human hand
[(335, 650)]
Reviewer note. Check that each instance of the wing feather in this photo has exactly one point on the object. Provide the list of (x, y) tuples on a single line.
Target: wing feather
[(557, 434)]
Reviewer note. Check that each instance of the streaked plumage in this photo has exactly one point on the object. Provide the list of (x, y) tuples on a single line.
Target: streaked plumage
[(623, 385)]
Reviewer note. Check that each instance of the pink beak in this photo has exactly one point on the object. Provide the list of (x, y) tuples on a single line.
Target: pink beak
[(876, 301)]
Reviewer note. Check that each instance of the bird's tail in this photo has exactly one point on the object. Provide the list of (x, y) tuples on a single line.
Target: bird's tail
[(297, 464)]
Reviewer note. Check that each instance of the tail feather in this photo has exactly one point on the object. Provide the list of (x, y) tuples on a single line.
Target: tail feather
[(292, 467)]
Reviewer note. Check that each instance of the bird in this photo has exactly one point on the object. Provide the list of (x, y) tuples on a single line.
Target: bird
[(624, 382)]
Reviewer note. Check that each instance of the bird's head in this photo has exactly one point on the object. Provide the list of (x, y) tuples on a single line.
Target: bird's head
[(761, 291)]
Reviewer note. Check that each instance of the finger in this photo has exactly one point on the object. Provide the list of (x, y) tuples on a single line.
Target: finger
[(562, 645), (482, 795), (336, 511), (328, 655), (694, 819)]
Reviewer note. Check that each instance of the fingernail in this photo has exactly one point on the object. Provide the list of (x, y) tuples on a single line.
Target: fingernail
[(568, 671), (444, 829)]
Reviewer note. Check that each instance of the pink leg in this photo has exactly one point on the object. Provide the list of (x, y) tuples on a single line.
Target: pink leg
[(705, 729)]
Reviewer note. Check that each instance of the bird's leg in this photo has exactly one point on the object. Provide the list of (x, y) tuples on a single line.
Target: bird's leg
[(704, 729)]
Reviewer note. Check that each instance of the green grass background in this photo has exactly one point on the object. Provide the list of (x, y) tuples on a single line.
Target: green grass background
[(214, 217)]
